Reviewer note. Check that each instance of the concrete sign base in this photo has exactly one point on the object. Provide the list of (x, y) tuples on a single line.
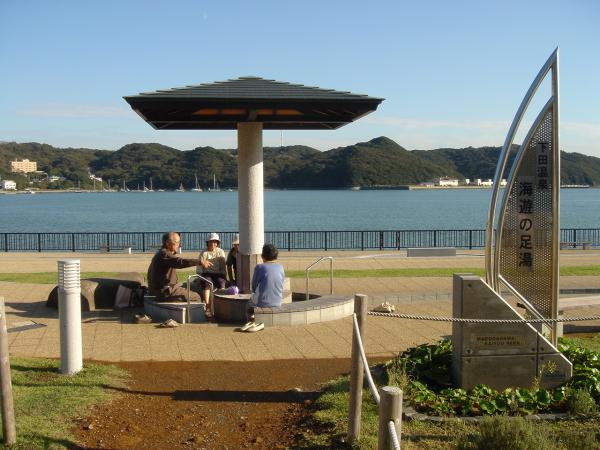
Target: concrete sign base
[(499, 355)]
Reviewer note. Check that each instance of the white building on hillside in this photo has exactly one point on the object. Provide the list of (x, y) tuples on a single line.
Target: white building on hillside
[(8, 185), (24, 166)]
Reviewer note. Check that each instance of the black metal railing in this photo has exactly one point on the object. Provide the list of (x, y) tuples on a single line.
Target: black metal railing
[(285, 240)]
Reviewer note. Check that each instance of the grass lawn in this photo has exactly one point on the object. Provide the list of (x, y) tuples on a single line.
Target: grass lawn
[(46, 402), (330, 424), (51, 277)]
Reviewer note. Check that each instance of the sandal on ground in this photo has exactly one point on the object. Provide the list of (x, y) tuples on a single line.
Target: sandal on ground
[(256, 327), (208, 314), (169, 324), (142, 318), (247, 326)]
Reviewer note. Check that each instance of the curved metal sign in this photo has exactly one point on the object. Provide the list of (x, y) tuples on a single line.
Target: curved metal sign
[(525, 254)]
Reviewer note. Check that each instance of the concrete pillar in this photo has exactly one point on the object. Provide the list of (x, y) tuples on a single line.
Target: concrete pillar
[(251, 219)]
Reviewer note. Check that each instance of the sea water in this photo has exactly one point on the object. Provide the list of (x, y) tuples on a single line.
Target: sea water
[(284, 210)]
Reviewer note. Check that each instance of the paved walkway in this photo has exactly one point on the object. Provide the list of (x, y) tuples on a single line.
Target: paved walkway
[(111, 335)]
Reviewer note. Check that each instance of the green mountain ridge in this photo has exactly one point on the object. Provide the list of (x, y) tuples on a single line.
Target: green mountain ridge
[(378, 162)]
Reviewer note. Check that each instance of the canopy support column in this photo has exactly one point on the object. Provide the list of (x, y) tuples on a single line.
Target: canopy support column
[(250, 200)]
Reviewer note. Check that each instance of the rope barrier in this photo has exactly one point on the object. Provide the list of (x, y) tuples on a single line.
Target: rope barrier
[(372, 386), (465, 320), (371, 383), (393, 435)]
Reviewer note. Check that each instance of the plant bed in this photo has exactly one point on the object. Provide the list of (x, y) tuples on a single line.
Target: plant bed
[(423, 372), (578, 427)]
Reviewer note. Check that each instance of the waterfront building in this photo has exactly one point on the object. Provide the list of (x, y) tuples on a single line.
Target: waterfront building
[(445, 181), (24, 166), (8, 185)]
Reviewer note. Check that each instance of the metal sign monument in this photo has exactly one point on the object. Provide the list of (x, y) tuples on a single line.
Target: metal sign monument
[(523, 256), (522, 251)]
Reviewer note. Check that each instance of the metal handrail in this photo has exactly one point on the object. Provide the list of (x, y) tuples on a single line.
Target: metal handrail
[(330, 258), (189, 278), (149, 241)]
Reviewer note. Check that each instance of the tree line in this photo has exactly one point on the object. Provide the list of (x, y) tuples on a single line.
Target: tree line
[(378, 162)]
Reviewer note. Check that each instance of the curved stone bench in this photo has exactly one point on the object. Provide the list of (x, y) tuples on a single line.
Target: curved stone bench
[(320, 309), (234, 308)]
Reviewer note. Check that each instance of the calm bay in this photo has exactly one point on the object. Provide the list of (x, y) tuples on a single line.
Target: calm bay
[(284, 210)]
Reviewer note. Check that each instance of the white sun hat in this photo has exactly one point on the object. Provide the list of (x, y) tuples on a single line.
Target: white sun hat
[(213, 237)]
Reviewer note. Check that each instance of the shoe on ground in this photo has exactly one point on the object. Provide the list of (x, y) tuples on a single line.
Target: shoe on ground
[(256, 327), (169, 324), (385, 307), (142, 318), (246, 326)]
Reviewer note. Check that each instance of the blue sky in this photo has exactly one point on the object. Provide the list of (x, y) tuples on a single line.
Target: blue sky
[(453, 73)]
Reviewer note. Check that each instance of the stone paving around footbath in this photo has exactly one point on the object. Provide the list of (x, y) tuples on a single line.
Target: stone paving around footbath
[(112, 336)]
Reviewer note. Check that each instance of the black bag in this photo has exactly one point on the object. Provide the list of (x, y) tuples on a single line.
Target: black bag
[(137, 297)]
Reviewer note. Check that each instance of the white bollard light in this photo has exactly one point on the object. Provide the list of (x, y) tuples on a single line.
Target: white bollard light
[(69, 315)]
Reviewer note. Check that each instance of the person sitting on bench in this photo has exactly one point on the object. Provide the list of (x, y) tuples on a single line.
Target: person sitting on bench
[(212, 267), (268, 279), (162, 274), (267, 287)]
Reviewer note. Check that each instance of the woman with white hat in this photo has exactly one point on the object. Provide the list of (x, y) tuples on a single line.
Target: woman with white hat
[(212, 266)]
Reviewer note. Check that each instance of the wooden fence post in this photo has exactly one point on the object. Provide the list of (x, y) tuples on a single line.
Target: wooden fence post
[(356, 369), (390, 408), (8, 410)]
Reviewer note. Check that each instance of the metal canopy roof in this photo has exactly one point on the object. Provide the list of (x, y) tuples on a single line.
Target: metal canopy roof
[(278, 105)]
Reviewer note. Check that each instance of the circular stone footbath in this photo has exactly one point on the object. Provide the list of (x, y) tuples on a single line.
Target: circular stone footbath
[(233, 308)]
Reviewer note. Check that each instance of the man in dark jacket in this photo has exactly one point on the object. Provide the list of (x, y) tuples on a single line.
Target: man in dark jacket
[(162, 274)]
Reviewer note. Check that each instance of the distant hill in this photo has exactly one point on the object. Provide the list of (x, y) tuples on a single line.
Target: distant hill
[(378, 162)]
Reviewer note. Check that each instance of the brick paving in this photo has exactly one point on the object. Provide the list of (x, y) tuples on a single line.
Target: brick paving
[(111, 335)]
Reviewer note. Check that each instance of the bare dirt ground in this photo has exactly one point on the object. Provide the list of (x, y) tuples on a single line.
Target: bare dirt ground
[(209, 405)]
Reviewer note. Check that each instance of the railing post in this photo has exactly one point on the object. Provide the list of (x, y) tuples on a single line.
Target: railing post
[(325, 239), (390, 408), (143, 242), (362, 240), (289, 237), (356, 369), (575, 238), (5, 242), (73, 242), (8, 411), (381, 240), (435, 238), (39, 242), (470, 239), (108, 241)]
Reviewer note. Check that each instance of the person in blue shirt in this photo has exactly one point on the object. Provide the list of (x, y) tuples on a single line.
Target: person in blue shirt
[(267, 281)]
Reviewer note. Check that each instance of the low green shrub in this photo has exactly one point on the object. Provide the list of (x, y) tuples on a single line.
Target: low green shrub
[(584, 440), (580, 401), (506, 433), (423, 372)]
